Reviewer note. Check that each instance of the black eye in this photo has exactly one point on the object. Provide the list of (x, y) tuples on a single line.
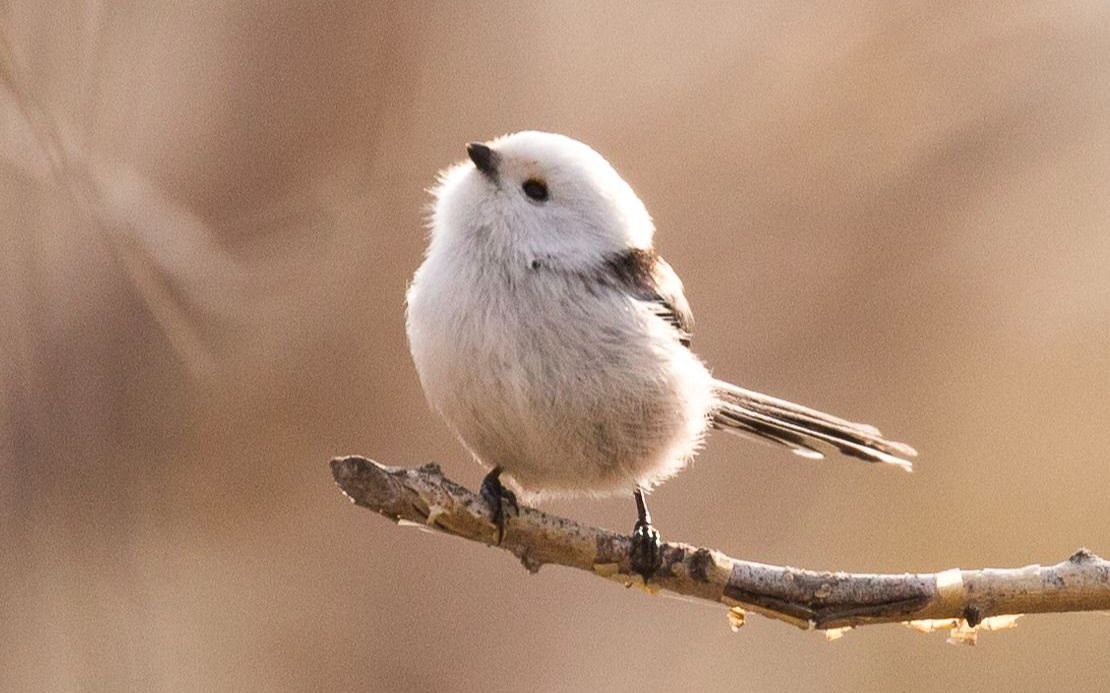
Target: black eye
[(535, 189)]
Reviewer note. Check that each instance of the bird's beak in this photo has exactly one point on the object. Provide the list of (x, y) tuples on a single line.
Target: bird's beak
[(483, 157)]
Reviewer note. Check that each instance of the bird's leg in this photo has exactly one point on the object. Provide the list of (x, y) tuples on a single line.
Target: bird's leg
[(647, 545), (496, 497)]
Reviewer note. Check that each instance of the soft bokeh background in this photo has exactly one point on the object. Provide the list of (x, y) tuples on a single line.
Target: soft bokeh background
[(208, 215)]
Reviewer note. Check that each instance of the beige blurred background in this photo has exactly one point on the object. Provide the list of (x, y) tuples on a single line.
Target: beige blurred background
[(208, 216)]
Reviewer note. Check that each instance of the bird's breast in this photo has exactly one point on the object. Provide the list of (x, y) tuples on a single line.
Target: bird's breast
[(542, 370)]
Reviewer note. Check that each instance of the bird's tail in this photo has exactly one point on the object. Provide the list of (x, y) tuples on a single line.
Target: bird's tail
[(805, 431)]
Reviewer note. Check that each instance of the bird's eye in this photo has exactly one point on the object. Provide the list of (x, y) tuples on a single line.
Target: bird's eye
[(535, 189)]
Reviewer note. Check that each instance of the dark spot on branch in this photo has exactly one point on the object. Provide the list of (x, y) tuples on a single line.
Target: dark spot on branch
[(973, 615), (530, 563), (700, 563), (1083, 555)]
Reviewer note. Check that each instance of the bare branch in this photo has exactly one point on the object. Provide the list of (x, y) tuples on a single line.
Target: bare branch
[(958, 599)]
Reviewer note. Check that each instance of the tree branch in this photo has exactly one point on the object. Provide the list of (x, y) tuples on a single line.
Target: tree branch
[(831, 601)]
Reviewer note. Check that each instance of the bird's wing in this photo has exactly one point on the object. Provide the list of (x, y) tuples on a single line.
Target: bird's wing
[(642, 273)]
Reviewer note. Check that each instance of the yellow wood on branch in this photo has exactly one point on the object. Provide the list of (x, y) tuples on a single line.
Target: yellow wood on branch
[(806, 598)]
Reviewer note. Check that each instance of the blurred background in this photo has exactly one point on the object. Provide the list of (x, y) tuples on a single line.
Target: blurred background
[(209, 213)]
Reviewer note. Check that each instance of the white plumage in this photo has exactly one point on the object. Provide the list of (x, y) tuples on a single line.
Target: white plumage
[(553, 340)]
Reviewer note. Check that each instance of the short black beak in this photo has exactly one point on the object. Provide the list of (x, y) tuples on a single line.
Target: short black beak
[(483, 157)]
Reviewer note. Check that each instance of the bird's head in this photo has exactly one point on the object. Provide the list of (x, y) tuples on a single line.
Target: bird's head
[(539, 196)]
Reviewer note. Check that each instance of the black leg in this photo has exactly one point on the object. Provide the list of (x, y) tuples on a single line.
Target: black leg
[(496, 497), (647, 545)]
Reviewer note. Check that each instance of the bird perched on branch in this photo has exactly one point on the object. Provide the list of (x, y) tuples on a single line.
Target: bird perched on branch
[(554, 340)]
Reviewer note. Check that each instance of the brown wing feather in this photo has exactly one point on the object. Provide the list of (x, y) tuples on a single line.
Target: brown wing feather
[(642, 273)]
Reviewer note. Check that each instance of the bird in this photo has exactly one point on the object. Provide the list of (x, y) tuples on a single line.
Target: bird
[(554, 340)]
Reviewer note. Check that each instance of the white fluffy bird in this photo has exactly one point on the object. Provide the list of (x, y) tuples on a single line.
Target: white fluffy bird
[(554, 340)]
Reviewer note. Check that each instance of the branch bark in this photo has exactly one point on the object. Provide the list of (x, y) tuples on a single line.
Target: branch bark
[(831, 601)]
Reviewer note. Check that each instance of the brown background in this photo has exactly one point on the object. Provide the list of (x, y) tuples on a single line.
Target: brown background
[(898, 213)]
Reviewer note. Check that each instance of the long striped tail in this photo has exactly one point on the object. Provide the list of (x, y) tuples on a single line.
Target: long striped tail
[(805, 431)]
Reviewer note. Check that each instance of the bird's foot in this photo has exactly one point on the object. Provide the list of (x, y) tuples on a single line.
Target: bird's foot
[(497, 497), (647, 549)]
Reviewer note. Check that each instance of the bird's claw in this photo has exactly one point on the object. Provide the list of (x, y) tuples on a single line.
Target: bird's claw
[(497, 497), (647, 550)]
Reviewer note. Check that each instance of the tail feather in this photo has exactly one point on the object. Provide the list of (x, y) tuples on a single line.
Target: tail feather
[(802, 429)]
